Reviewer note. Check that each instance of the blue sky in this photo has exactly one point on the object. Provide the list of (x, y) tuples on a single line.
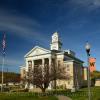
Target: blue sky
[(32, 22)]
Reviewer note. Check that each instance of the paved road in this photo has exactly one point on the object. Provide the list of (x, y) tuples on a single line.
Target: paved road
[(60, 97)]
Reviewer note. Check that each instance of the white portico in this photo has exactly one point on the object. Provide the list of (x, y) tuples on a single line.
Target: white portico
[(41, 56), (36, 56)]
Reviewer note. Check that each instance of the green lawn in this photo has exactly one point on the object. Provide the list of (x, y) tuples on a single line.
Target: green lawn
[(82, 94), (24, 96)]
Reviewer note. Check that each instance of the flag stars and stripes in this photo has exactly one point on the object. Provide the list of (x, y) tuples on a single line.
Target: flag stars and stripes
[(4, 43)]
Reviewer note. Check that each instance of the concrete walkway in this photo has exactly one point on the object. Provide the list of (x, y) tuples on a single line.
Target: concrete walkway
[(61, 97)]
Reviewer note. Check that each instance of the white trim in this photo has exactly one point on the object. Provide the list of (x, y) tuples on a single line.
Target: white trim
[(69, 61), (36, 48), (21, 67)]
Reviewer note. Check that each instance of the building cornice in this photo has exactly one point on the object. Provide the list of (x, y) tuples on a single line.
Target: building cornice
[(36, 48), (37, 55), (73, 57)]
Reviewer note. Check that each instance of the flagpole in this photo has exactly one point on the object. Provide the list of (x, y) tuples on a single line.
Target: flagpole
[(2, 74), (3, 47)]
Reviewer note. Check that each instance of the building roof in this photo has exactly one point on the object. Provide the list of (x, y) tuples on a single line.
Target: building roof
[(71, 56), (46, 51), (37, 48)]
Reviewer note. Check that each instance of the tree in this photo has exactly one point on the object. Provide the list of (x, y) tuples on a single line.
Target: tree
[(94, 75), (43, 75), (10, 77), (58, 72)]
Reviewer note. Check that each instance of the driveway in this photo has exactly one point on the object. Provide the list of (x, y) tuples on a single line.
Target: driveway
[(61, 97)]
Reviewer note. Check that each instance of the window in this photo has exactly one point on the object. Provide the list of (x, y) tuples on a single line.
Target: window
[(65, 58), (68, 67), (30, 63), (59, 64), (24, 71), (29, 66), (68, 82)]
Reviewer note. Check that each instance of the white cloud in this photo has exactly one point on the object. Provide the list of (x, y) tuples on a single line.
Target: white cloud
[(87, 4), (10, 62), (22, 26)]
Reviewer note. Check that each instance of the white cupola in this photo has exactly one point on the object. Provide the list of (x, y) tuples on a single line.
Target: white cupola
[(56, 42)]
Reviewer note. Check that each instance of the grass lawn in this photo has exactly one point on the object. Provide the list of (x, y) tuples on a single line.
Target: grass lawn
[(24, 96), (82, 94)]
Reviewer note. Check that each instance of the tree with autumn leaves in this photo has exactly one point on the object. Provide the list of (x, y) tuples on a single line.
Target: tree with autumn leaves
[(10, 77)]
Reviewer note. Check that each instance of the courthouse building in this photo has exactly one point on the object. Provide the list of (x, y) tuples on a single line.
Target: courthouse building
[(41, 56)]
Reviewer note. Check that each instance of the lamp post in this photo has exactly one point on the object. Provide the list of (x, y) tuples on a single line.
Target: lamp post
[(87, 47)]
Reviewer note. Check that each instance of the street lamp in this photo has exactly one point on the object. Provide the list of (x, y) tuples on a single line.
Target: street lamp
[(87, 47)]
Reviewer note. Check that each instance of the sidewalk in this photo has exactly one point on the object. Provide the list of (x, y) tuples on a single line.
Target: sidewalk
[(61, 97)]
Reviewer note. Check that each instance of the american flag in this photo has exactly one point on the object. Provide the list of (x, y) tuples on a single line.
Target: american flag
[(4, 43)]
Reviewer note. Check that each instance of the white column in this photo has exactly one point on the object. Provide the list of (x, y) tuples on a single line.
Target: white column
[(26, 64), (33, 64), (50, 61), (50, 64), (34, 86), (43, 69), (43, 62), (43, 66)]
